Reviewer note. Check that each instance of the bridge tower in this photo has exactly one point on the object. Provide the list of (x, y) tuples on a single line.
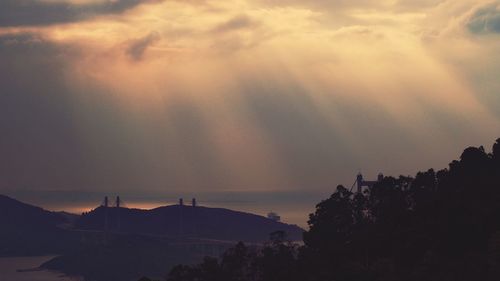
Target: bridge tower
[(118, 221), (181, 206), (106, 205)]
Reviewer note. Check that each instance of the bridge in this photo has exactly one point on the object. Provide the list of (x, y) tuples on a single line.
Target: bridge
[(197, 246)]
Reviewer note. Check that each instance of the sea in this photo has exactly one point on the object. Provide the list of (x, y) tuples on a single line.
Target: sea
[(27, 269)]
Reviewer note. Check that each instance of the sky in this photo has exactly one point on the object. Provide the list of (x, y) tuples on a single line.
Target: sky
[(262, 97)]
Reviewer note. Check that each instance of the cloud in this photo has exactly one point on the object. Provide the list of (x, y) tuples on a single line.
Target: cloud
[(410, 5), (330, 4), (334, 6), (137, 48), (36, 12), (304, 102), (485, 20), (236, 23), (239, 33)]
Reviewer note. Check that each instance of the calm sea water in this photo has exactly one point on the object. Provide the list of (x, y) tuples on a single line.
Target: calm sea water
[(9, 267)]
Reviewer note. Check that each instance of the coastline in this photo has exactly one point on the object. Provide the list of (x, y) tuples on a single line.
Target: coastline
[(28, 269)]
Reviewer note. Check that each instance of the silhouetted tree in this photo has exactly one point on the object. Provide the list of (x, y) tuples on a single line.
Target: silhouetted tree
[(442, 225)]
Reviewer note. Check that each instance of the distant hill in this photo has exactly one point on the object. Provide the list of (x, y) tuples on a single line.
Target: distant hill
[(30, 230), (19, 214), (187, 221), (137, 241)]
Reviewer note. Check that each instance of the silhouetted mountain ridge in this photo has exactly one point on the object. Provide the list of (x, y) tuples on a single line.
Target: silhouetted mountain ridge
[(20, 214), (29, 230), (187, 221)]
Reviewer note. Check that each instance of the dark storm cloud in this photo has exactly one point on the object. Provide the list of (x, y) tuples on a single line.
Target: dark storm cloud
[(138, 47), (33, 12), (485, 20)]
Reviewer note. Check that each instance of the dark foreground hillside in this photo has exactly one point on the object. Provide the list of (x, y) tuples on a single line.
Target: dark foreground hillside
[(436, 226), (128, 257)]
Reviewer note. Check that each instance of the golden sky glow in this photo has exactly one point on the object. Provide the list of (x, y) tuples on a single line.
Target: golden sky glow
[(264, 95)]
